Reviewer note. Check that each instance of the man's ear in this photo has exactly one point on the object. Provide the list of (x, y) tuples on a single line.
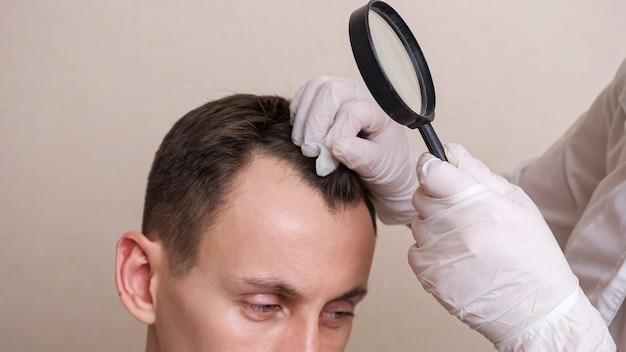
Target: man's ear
[(136, 274)]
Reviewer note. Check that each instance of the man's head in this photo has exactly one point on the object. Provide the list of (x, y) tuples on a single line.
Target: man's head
[(245, 247)]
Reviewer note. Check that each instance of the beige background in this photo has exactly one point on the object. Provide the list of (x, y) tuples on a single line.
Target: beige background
[(88, 89)]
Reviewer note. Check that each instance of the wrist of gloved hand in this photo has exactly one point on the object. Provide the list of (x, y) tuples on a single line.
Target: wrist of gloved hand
[(573, 325)]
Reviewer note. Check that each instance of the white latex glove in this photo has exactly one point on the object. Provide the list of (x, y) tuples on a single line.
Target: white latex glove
[(485, 253), (327, 113)]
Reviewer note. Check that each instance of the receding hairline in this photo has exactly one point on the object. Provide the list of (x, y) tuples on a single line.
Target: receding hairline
[(197, 165), (239, 177)]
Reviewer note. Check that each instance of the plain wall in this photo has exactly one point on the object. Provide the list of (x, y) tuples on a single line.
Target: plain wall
[(89, 88)]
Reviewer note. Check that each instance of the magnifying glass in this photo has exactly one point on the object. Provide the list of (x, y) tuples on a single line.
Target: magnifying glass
[(394, 69)]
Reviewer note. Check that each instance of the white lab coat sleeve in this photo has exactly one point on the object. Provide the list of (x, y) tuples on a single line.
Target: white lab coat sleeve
[(562, 181)]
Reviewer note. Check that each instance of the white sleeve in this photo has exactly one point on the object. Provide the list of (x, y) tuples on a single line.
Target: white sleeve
[(562, 183), (563, 179)]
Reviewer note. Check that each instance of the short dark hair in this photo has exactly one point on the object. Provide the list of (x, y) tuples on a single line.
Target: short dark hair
[(201, 155)]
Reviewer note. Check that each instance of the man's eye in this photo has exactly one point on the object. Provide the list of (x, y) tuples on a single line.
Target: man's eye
[(263, 308), (339, 315), (260, 312), (336, 320)]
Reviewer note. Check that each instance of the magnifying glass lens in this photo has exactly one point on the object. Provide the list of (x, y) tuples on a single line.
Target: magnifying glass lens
[(394, 69), (395, 62)]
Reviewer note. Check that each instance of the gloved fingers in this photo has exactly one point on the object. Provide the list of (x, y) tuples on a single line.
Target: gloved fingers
[(356, 153), (356, 116), (391, 173), (359, 154), (459, 156), (443, 188), (431, 210), (422, 235), (433, 270), (304, 96), (367, 158), (314, 108)]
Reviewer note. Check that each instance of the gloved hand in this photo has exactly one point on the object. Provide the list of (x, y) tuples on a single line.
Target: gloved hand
[(484, 251), (327, 114)]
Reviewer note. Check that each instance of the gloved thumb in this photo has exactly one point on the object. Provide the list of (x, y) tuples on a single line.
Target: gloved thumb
[(459, 156), (439, 179)]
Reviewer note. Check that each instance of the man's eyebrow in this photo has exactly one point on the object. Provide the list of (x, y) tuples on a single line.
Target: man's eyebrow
[(276, 285), (357, 292), (265, 284)]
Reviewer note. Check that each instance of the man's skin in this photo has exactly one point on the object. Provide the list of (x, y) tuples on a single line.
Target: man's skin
[(278, 271)]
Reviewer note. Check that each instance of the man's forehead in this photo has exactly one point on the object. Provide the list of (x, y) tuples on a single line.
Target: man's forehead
[(274, 223), (266, 177)]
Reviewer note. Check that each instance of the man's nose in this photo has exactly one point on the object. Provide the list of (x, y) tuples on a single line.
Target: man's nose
[(303, 335)]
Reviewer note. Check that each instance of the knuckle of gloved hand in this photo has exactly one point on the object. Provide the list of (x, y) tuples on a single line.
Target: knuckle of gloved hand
[(361, 89), (353, 110), (379, 121), (395, 137), (418, 200), (360, 117), (360, 85), (346, 149), (422, 236), (337, 88), (315, 124), (319, 80)]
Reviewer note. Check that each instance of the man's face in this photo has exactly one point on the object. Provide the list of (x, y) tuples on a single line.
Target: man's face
[(279, 271)]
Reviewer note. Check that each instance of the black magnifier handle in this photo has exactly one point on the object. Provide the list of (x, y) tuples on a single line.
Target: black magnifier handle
[(432, 141)]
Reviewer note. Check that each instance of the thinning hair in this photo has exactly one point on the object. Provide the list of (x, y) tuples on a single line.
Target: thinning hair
[(195, 167)]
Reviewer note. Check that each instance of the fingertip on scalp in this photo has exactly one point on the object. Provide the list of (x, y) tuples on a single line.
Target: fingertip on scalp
[(297, 141), (325, 164), (310, 150)]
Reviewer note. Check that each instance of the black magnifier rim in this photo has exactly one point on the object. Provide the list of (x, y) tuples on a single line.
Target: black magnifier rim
[(373, 74)]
